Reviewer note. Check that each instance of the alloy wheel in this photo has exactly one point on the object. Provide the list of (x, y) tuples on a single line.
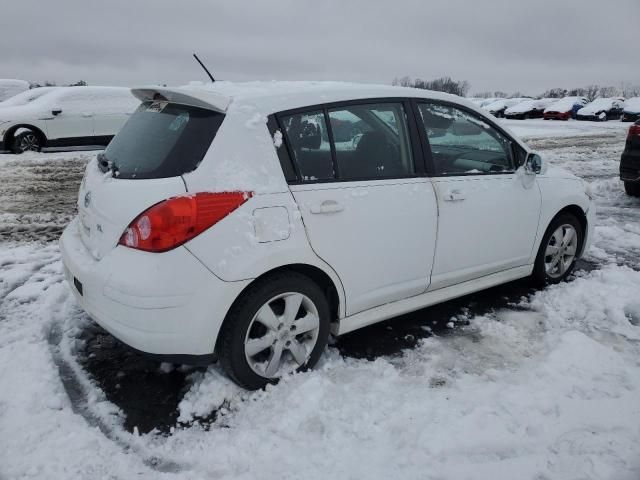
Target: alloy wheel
[(282, 335), (561, 251), (29, 142)]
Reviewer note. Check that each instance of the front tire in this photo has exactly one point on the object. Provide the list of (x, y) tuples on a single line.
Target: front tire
[(558, 250), (632, 189), (278, 326), (28, 141)]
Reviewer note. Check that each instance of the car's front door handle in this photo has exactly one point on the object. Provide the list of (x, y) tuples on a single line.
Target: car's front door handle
[(327, 206), (454, 195)]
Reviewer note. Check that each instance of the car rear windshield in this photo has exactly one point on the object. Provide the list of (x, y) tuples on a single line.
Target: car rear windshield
[(161, 140)]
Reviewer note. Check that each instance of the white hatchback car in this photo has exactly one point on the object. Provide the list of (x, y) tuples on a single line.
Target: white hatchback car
[(65, 116), (247, 222)]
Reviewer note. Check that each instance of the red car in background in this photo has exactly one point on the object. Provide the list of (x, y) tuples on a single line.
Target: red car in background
[(565, 108)]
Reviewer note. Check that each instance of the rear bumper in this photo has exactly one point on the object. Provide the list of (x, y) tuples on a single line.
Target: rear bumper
[(163, 304)]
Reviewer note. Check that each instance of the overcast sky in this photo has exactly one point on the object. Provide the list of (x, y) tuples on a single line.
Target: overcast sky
[(526, 45)]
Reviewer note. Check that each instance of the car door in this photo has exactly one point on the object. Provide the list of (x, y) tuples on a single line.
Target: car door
[(70, 121), (368, 211), (489, 208), (112, 111)]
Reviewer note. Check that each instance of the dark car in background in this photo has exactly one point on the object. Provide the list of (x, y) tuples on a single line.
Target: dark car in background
[(528, 109), (601, 109), (564, 108), (631, 111), (630, 161), (498, 107)]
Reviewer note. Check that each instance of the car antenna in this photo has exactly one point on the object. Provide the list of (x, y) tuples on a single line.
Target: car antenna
[(205, 68)]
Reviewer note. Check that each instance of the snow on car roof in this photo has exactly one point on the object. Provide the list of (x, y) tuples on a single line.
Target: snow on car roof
[(632, 105), (276, 96), (602, 102), (565, 104), (598, 104), (27, 96)]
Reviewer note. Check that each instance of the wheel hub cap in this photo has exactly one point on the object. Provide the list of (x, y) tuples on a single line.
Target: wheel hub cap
[(561, 251), (282, 335), (29, 143)]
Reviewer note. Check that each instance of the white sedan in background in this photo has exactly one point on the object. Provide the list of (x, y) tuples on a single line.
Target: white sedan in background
[(66, 116)]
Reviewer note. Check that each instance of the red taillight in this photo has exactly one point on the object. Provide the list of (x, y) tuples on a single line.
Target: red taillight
[(634, 131), (171, 223)]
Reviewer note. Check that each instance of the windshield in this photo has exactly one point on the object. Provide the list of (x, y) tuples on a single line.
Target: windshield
[(162, 140)]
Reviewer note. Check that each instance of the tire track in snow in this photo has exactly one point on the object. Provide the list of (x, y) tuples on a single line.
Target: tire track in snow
[(40, 267), (79, 387)]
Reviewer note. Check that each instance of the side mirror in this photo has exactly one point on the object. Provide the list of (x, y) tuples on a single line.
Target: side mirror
[(533, 164)]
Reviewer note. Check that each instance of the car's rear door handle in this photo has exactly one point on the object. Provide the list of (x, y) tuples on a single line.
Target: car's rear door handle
[(327, 206), (454, 195)]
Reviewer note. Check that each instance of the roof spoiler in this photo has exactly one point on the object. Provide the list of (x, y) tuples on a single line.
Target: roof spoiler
[(185, 96)]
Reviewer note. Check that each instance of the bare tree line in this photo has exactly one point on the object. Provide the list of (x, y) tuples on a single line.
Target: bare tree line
[(461, 88), (443, 84)]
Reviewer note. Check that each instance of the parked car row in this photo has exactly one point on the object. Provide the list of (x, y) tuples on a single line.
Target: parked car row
[(600, 109), (63, 117)]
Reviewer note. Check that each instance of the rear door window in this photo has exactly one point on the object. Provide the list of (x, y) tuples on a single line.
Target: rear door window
[(361, 142), (371, 141), (309, 145), (162, 140)]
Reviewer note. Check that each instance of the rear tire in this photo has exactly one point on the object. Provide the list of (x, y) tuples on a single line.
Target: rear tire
[(28, 141), (558, 250), (278, 326), (632, 189)]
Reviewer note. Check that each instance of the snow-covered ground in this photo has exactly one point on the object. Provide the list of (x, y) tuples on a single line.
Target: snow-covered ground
[(540, 128), (545, 386)]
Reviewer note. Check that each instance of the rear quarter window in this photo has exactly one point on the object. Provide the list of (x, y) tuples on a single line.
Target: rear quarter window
[(163, 140)]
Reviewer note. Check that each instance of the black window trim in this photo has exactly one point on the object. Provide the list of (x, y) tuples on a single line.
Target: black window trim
[(289, 169), (287, 158), (430, 166)]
